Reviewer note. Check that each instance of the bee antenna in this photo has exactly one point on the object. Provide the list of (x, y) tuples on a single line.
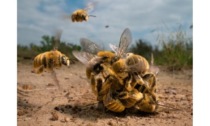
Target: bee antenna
[(57, 37), (167, 106), (91, 16)]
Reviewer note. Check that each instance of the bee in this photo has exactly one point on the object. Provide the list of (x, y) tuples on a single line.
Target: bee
[(81, 15), (147, 104), (130, 98), (136, 63), (50, 59), (112, 103), (89, 58), (116, 75)]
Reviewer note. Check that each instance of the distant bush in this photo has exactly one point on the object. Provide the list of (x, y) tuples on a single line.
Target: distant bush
[(175, 50), (47, 44), (142, 47)]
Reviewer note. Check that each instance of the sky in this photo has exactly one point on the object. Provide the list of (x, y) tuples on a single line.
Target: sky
[(146, 19)]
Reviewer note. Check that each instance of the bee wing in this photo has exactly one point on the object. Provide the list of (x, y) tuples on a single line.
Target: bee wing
[(90, 6), (168, 107), (125, 41), (89, 46), (57, 37), (82, 56), (154, 69), (113, 47)]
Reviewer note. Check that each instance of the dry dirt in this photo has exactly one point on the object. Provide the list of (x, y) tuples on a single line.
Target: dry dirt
[(41, 103)]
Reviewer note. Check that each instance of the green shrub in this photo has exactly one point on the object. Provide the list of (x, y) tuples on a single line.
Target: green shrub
[(176, 52), (47, 43)]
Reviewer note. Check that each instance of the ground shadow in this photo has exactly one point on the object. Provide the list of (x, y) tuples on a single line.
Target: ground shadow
[(92, 112)]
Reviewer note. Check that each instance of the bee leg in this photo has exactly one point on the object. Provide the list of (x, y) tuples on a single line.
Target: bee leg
[(112, 73), (101, 106), (152, 81), (148, 82), (99, 84), (93, 83), (123, 95), (147, 104), (38, 70), (151, 84), (54, 76), (104, 89), (111, 104), (130, 84)]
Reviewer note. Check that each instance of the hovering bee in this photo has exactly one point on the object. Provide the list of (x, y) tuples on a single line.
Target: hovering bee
[(50, 59), (106, 26), (81, 15)]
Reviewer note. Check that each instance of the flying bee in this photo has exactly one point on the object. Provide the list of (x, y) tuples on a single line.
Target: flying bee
[(50, 59), (81, 15)]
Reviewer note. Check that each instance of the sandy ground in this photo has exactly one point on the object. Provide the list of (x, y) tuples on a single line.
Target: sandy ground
[(41, 103)]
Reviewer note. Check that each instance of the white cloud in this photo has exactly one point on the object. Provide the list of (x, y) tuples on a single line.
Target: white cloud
[(140, 16)]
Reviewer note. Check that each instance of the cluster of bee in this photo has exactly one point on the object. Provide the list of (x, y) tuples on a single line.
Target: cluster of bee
[(120, 80)]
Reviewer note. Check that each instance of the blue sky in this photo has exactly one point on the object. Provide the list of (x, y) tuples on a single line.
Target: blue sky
[(146, 19)]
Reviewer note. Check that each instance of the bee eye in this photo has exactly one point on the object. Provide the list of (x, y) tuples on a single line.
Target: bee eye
[(83, 17), (97, 68)]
